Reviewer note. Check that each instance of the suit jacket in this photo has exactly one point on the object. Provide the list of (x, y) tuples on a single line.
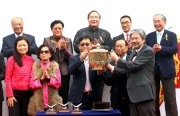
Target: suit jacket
[(164, 58), (77, 69), (140, 81), (117, 80), (2, 71), (120, 37), (61, 56), (8, 45)]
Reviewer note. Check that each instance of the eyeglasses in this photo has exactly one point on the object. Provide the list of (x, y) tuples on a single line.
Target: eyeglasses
[(127, 22), (83, 44), (17, 24), (45, 51)]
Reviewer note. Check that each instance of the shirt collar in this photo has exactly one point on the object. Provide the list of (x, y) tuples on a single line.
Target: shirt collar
[(160, 32), (45, 64), (18, 35), (93, 29), (126, 33), (139, 48), (124, 57)]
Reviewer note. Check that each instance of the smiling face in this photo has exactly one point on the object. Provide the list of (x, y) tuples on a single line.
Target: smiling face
[(57, 30), (17, 25), (22, 47), (94, 20), (121, 48), (159, 23), (137, 40), (45, 54), (126, 24)]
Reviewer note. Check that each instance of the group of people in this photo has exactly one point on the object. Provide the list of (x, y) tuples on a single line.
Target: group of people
[(138, 64)]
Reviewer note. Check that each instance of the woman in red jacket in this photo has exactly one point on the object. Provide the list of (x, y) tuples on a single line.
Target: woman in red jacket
[(17, 78)]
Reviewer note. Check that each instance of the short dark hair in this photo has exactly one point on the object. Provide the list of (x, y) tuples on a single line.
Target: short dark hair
[(84, 37), (16, 54), (56, 22), (92, 12), (126, 16), (50, 50), (126, 43)]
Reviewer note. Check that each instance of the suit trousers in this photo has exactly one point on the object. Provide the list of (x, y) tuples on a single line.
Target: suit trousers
[(1, 108), (145, 108), (64, 90), (87, 101), (169, 94)]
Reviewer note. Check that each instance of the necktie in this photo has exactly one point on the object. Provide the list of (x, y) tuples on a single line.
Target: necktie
[(87, 85), (159, 38), (127, 37)]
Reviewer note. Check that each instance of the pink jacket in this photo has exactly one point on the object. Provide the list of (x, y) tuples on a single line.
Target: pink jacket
[(17, 77)]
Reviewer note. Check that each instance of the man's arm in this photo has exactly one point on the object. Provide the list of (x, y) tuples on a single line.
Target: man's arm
[(2, 67), (75, 43), (173, 49), (140, 62), (7, 52), (33, 46), (68, 51), (74, 64)]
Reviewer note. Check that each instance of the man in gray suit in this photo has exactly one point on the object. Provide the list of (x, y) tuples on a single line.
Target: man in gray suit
[(140, 81)]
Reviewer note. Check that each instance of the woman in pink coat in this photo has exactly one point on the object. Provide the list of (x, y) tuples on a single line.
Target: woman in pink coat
[(45, 81), (17, 78)]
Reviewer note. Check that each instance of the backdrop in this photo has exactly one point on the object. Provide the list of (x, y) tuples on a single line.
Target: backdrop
[(38, 15)]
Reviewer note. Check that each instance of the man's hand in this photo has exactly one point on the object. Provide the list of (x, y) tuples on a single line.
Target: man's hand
[(83, 55), (113, 56), (109, 67), (157, 48), (95, 41)]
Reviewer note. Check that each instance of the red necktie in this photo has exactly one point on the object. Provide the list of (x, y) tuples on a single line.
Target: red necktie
[(127, 37)]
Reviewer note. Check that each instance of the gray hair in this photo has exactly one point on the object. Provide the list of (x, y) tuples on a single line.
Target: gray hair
[(16, 18), (141, 32), (162, 16)]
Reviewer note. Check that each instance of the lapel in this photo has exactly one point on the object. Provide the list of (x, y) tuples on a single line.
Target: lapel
[(144, 46), (163, 37), (52, 43), (154, 38), (82, 68)]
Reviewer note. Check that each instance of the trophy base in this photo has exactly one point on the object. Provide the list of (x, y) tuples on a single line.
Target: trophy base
[(64, 111), (75, 112), (51, 112)]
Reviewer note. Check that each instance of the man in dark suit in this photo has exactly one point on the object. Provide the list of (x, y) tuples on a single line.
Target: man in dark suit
[(83, 89), (8, 41), (2, 70), (126, 24), (140, 81), (117, 78), (164, 44), (62, 47)]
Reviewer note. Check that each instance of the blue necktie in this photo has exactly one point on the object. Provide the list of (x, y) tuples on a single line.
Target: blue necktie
[(159, 38)]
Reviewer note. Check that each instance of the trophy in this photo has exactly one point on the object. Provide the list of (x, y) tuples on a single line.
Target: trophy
[(64, 107), (76, 109), (50, 109), (98, 58)]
